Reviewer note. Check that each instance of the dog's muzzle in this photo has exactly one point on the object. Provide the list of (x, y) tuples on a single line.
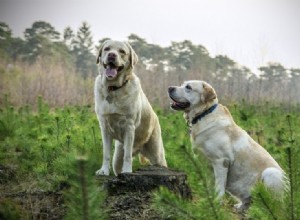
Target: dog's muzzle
[(177, 105), (111, 67)]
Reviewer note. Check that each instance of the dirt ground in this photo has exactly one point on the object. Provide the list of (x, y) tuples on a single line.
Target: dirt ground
[(129, 196), (134, 206), (19, 204)]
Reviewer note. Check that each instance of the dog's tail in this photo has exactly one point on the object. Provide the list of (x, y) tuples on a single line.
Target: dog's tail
[(276, 180)]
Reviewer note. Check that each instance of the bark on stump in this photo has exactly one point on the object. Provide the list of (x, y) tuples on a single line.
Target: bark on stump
[(129, 194)]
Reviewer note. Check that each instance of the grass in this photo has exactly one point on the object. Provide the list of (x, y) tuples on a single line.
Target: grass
[(40, 147)]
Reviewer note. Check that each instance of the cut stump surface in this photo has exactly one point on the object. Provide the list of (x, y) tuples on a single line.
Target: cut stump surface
[(129, 194)]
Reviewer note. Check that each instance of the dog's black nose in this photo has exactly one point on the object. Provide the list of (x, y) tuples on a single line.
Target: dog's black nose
[(171, 89), (111, 56)]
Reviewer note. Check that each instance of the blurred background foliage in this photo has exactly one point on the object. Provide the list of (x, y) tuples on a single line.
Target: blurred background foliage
[(61, 68)]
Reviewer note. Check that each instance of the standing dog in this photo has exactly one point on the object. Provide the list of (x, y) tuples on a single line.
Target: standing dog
[(124, 113), (238, 161)]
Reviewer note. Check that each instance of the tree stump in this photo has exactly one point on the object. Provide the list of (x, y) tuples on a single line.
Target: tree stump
[(129, 194)]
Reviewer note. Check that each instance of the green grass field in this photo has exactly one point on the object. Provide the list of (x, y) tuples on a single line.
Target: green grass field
[(39, 150)]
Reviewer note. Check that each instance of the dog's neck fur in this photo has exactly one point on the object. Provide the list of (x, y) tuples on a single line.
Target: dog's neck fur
[(198, 110), (114, 88)]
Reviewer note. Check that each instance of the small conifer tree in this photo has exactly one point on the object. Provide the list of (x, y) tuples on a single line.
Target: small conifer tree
[(84, 198)]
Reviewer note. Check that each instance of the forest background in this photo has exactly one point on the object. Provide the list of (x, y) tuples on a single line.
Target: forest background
[(61, 68)]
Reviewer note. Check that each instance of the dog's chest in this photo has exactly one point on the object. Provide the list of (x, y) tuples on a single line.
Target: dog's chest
[(120, 118), (211, 142), (110, 103), (204, 146), (117, 125)]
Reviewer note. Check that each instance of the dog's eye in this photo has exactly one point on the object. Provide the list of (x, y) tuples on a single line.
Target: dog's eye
[(106, 49), (122, 51), (188, 87)]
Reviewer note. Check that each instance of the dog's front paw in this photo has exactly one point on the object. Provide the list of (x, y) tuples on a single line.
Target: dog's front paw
[(127, 168), (103, 171)]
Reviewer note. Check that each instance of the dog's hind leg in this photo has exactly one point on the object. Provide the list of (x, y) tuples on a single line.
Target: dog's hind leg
[(118, 158), (154, 149)]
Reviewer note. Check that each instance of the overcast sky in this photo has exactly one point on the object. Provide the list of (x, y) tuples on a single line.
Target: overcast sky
[(252, 32)]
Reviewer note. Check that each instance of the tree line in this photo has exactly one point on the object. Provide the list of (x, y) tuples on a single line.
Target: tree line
[(158, 67)]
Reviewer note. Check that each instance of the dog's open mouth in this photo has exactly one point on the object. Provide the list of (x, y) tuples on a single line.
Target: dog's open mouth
[(179, 105), (111, 70)]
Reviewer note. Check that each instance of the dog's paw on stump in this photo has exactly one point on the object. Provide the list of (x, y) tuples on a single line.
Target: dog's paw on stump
[(129, 194)]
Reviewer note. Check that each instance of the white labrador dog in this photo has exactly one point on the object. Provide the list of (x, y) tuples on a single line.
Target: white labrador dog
[(123, 111), (238, 161)]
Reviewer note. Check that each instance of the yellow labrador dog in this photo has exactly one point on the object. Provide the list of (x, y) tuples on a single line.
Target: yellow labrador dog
[(123, 111), (238, 161)]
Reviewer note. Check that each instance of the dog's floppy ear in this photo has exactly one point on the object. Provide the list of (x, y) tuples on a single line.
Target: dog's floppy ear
[(132, 57), (100, 51), (209, 93)]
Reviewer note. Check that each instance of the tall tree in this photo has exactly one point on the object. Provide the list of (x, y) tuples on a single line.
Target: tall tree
[(223, 67), (39, 39), (68, 37), (9, 47), (273, 71), (83, 48), (187, 56), (5, 38), (42, 29), (294, 85), (140, 46), (5, 31), (274, 81), (181, 53)]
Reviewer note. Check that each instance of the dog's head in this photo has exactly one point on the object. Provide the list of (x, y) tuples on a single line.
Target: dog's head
[(116, 57), (192, 94)]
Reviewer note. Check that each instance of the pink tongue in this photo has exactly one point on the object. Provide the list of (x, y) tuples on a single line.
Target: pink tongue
[(111, 73)]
